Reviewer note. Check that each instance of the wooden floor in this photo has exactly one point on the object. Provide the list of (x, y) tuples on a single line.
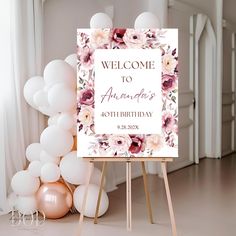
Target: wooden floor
[(204, 198)]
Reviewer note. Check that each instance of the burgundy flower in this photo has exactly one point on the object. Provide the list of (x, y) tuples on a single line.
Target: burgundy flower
[(86, 97), (117, 35), (137, 144), (168, 82)]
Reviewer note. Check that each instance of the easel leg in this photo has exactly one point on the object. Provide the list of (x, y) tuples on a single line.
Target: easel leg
[(100, 191), (85, 199), (147, 194), (128, 196), (171, 211)]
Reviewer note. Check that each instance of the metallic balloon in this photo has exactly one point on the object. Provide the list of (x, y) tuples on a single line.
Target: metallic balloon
[(54, 200)]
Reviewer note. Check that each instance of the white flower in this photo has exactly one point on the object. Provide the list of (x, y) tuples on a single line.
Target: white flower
[(119, 143), (99, 37), (134, 38), (169, 64), (86, 115), (154, 142)]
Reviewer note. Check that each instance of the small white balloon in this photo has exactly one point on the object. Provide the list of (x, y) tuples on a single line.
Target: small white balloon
[(26, 205), (74, 169), (58, 71), (72, 61), (65, 121), (34, 168), (33, 151), (23, 183), (52, 120), (92, 196), (41, 98), (146, 20), (100, 20), (45, 158), (50, 172), (32, 86), (62, 98), (56, 141)]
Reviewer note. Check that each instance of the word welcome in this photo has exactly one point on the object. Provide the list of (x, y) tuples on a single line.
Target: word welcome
[(114, 65)]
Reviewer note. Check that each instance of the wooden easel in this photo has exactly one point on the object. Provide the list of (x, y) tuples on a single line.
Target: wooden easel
[(128, 161)]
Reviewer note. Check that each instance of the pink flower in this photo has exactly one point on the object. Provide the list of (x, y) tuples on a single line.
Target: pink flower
[(168, 121), (119, 143), (117, 35), (169, 82), (86, 96), (86, 58), (137, 144), (134, 38), (99, 37), (85, 116)]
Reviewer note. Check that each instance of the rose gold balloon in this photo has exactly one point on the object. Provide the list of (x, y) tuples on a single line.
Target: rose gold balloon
[(54, 199)]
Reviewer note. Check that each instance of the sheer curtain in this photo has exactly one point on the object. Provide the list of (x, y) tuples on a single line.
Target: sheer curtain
[(20, 125)]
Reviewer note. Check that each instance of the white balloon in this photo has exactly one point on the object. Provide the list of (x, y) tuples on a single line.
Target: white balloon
[(62, 98), (74, 169), (53, 119), (92, 197), (33, 151), (50, 172), (72, 61), (56, 141), (65, 121), (96, 177), (26, 205), (23, 183), (34, 168), (47, 110), (45, 158), (41, 98), (58, 71), (100, 20), (146, 20), (32, 86)]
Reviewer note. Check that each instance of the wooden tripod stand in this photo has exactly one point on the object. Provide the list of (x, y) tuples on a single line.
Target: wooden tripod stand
[(163, 162)]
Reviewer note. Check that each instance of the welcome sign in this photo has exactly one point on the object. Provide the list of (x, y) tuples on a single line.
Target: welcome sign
[(127, 93)]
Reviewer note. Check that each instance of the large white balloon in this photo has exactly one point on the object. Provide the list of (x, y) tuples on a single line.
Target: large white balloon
[(62, 98), (23, 183), (45, 158), (66, 121), (32, 86), (74, 169), (91, 202), (50, 172), (34, 168), (56, 141), (33, 151), (100, 20), (72, 61), (26, 205), (41, 98), (146, 20), (58, 71)]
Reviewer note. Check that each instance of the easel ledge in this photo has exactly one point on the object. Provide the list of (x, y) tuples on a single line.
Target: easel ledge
[(129, 159)]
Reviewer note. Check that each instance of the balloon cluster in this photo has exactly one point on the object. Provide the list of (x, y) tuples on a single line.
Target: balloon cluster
[(53, 162)]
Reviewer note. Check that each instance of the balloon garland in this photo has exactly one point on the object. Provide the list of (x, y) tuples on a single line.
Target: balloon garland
[(53, 162)]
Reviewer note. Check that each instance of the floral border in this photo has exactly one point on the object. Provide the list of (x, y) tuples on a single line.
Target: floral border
[(88, 40)]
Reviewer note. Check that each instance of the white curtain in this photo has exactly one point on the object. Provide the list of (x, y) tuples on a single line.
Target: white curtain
[(20, 124)]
